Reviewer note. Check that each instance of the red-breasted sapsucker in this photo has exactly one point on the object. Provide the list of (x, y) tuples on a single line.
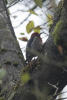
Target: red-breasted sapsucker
[(34, 45)]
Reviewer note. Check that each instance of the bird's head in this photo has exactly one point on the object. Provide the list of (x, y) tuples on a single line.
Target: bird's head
[(35, 35)]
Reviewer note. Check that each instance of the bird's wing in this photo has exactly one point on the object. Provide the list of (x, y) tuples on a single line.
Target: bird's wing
[(36, 44)]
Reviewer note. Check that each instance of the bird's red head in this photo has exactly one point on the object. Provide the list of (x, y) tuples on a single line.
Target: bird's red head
[(35, 34)]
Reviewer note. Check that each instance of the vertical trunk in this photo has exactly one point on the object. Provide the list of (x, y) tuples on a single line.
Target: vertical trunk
[(11, 58)]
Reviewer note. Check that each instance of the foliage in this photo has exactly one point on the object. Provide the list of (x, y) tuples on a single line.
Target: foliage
[(25, 78), (37, 29), (50, 19), (33, 12), (22, 33), (38, 3), (30, 26)]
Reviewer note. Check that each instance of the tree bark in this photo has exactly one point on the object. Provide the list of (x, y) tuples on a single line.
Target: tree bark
[(11, 58)]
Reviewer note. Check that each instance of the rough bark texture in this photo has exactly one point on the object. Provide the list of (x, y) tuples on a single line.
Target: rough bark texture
[(11, 58)]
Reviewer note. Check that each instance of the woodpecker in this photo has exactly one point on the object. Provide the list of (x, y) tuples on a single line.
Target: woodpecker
[(34, 45)]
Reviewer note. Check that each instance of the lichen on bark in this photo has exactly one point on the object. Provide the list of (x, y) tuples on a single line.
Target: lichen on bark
[(57, 31)]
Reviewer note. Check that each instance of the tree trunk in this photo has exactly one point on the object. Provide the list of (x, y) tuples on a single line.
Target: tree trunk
[(11, 58)]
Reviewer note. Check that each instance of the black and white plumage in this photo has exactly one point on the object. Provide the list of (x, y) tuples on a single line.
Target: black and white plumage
[(33, 47)]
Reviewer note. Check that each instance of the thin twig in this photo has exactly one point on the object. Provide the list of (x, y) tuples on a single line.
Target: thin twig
[(23, 21)]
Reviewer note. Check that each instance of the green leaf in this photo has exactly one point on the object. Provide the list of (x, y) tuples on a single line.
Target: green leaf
[(30, 26), (50, 19), (25, 78), (2, 73), (22, 33), (38, 3), (37, 29), (33, 12)]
